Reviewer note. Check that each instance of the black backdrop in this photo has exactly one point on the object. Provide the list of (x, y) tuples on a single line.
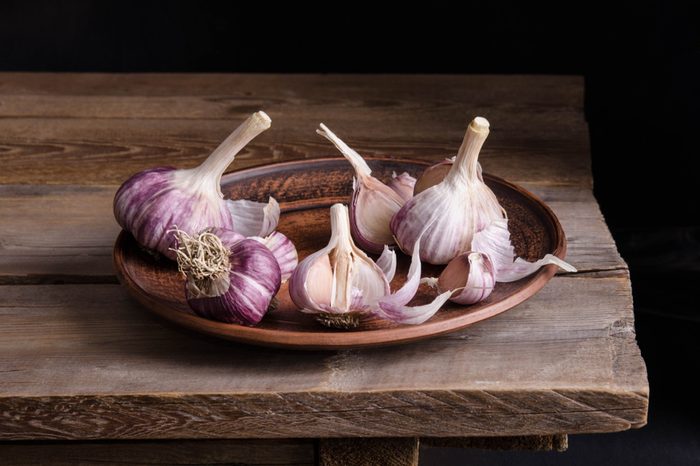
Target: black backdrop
[(641, 63)]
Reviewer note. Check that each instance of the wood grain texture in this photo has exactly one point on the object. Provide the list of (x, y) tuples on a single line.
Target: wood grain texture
[(542, 368), (67, 132), (361, 452), (165, 453)]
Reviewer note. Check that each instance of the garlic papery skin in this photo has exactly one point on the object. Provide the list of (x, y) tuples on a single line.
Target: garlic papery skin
[(339, 284), (229, 278), (284, 251), (494, 240), (452, 211), (471, 274), (373, 203), (150, 202), (403, 185)]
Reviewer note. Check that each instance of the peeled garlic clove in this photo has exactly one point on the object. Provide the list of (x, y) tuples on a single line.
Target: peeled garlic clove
[(473, 276), (494, 240), (150, 202), (284, 251), (403, 185), (373, 203), (338, 284), (229, 278), (453, 210)]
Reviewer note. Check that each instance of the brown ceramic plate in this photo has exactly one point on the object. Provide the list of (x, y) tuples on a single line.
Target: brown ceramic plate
[(305, 189)]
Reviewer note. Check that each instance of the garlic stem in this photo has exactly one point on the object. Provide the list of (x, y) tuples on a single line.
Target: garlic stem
[(355, 159), (221, 158), (341, 258), (465, 167)]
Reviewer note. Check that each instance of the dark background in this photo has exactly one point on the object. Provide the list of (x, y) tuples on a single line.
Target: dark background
[(641, 63)]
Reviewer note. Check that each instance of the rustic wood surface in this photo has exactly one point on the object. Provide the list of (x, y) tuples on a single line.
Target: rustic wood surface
[(80, 360)]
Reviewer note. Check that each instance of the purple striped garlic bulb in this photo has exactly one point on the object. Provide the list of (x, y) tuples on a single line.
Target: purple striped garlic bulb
[(373, 203), (228, 278), (449, 213), (151, 202), (340, 285)]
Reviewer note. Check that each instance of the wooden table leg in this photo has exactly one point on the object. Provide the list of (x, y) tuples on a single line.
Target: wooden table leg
[(368, 451)]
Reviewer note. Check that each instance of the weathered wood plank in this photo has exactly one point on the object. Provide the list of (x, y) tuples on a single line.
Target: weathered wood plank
[(361, 452), (74, 244), (169, 453), (564, 361), (547, 90), (75, 135), (86, 151)]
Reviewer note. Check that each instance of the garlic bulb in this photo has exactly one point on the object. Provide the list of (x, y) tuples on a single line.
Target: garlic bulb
[(373, 203), (452, 211), (149, 203), (229, 278), (471, 274), (340, 284), (284, 251), (494, 240)]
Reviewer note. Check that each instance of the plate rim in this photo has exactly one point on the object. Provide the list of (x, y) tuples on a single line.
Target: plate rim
[(324, 339)]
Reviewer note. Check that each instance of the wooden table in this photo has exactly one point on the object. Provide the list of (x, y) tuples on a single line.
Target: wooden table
[(82, 365)]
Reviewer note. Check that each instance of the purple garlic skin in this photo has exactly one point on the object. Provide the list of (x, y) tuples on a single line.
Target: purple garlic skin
[(254, 280), (151, 202)]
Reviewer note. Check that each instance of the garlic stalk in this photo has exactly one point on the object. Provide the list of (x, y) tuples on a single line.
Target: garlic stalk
[(149, 203), (373, 203), (494, 240), (471, 274), (453, 210), (229, 278), (340, 285)]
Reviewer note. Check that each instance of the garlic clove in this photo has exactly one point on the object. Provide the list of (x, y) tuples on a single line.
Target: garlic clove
[(471, 274), (150, 202), (394, 307), (373, 203), (433, 175), (403, 185), (494, 240), (284, 251), (387, 262), (228, 278), (252, 218), (451, 211)]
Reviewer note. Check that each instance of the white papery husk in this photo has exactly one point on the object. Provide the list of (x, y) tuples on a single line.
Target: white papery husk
[(494, 240)]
